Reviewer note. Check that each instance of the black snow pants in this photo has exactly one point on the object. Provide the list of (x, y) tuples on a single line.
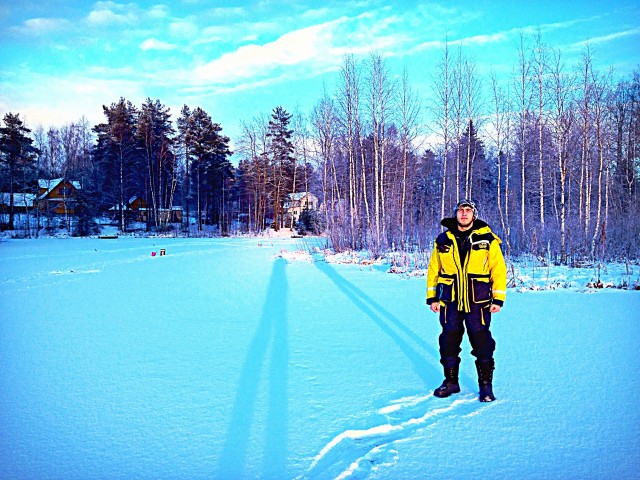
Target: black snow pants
[(453, 323)]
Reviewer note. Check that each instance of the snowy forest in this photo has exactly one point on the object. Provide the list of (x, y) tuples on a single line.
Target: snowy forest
[(550, 155)]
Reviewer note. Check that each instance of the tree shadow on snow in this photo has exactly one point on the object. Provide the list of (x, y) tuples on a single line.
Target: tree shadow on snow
[(272, 333)]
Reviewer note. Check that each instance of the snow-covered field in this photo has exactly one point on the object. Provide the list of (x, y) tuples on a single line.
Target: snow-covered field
[(237, 358)]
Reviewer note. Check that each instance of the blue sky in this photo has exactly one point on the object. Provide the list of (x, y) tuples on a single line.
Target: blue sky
[(240, 59)]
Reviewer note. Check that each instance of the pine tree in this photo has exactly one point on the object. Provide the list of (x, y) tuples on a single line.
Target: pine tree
[(479, 174), (185, 139), (218, 177), (155, 133), (16, 156), (118, 158), (210, 166), (282, 160)]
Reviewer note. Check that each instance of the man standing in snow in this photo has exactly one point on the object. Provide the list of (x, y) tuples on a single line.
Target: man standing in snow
[(466, 283)]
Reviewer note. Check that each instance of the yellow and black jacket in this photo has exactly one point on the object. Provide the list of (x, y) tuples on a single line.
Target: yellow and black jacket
[(481, 280)]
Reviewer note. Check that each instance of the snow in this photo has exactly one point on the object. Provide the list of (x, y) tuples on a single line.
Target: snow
[(252, 358)]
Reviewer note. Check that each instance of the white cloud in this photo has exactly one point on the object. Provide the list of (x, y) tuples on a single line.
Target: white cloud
[(247, 85), (158, 12), (155, 44), (65, 99), (110, 13), (231, 32), (308, 45), (42, 26), (608, 38), (227, 12), (105, 17), (482, 39), (184, 28), (301, 53)]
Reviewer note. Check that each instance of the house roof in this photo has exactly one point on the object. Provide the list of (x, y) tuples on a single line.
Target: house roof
[(118, 206), (298, 195), (127, 206), (49, 185), (175, 208), (292, 198)]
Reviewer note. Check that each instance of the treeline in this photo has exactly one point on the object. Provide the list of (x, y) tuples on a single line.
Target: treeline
[(139, 153), (550, 155), (142, 153), (135, 153)]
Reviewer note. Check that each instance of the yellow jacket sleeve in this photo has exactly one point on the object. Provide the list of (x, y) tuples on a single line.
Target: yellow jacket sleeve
[(433, 273), (498, 269)]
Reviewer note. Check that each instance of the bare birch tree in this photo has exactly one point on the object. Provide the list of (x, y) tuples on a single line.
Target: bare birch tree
[(500, 124), (562, 87), (324, 134), (410, 113), (473, 102), (540, 63), (584, 206), (441, 110), (523, 95), (380, 111), (600, 90), (348, 98)]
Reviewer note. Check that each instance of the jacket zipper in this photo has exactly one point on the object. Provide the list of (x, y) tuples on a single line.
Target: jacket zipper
[(466, 306), (462, 292)]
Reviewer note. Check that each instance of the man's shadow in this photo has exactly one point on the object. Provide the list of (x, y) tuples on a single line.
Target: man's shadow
[(272, 333)]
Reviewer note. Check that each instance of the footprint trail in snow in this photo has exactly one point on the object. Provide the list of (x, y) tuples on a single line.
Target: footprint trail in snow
[(359, 452)]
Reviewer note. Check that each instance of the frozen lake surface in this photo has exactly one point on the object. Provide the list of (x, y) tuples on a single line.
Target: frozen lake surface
[(230, 359)]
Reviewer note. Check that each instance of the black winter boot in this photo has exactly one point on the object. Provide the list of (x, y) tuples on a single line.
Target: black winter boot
[(485, 379), (450, 384)]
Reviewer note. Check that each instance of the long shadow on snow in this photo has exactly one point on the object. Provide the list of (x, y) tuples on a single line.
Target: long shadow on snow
[(378, 314), (272, 330)]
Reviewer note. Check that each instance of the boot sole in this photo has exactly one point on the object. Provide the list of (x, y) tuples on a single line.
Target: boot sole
[(439, 395)]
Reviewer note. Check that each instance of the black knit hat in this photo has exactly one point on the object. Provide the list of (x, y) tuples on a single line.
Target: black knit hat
[(466, 203)]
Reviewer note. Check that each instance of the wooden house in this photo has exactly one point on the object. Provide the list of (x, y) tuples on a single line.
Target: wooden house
[(137, 211), (165, 215), (137, 203), (58, 196), (132, 209)]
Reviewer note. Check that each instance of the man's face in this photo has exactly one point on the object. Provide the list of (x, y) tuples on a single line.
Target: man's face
[(464, 215)]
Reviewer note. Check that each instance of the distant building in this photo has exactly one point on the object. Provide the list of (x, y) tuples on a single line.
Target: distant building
[(136, 203), (22, 202), (136, 210), (131, 208), (58, 196), (165, 215), (295, 203)]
